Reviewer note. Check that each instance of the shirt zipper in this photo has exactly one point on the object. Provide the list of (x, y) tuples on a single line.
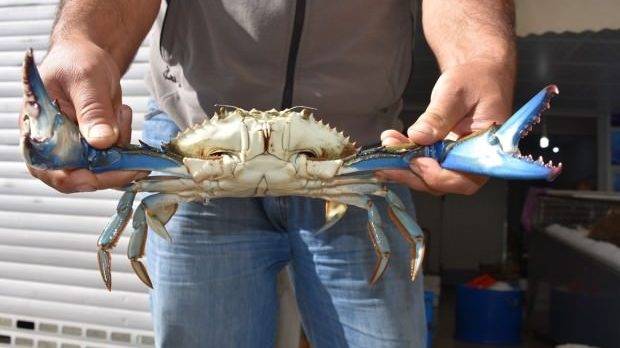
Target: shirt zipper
[(298, 23)]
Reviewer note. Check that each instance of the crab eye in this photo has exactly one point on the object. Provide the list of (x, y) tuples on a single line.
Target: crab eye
[(216, 153), (308, 153), (220, 153)]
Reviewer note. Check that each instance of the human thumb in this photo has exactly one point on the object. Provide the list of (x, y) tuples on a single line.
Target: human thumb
[(94, 112), (440, 117)]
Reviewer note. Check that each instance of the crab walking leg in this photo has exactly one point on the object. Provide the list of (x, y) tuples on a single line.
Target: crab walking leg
[(334, 211), (154, 211), (159, 208), (110, 235), (137, 242), (165, 184), (375, 230), (379, 242), (348, 180), (353, 186), (410, 230), (112, 232)]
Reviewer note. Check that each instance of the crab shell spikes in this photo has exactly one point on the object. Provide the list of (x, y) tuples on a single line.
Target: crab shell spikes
[(306, 113), (222, 111)]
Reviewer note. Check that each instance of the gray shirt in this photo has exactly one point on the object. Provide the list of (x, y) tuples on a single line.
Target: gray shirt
[(350, 60)]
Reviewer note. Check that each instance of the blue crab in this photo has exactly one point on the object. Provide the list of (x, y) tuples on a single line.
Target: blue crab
[(240, 153)]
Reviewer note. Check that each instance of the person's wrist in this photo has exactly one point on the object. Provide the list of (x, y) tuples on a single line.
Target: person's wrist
[(500, 54), (83, 52), (64, 37), (67, 42)]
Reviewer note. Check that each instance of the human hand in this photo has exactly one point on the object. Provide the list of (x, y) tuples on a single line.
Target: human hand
[(466, 98), (85, 81)]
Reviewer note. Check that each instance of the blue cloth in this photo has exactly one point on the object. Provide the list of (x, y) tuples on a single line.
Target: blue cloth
[(215, 282)]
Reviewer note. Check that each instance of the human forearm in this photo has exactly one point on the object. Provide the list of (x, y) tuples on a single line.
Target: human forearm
[(460, 31), (116, 26), (92, 44)]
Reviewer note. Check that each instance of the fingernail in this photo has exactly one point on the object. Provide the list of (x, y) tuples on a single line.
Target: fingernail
[(101, 130), (85, 188)]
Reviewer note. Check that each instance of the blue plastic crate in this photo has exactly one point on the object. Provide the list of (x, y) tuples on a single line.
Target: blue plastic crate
[(488, 316)]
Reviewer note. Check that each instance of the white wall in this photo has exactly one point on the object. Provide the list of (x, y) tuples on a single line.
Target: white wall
[(48, 270)]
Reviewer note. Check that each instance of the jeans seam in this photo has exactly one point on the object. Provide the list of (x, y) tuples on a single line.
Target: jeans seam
[(283, 207)]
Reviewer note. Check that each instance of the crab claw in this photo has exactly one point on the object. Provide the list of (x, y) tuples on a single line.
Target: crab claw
[(49, 140), (495, 152)]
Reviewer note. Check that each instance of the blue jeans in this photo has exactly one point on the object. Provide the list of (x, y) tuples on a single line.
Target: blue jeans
[(215, 282)]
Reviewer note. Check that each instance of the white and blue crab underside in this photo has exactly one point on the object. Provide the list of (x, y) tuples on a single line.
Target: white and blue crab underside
[(239, 153)]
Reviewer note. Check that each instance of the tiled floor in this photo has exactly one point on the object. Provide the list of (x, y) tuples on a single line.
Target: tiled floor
[(444, 334)]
